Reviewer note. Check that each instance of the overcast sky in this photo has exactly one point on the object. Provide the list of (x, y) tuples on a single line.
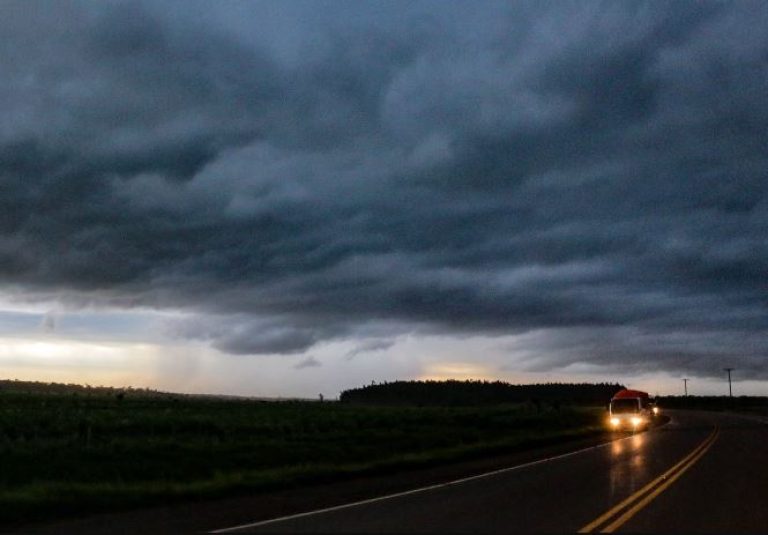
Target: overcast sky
[(286, 198)]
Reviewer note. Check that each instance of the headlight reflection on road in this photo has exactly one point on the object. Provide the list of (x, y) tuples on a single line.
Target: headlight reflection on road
[(626, 445), (628, 467), (637, 444)]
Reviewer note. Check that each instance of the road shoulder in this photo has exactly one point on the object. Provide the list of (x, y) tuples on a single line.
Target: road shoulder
[(211, 514)]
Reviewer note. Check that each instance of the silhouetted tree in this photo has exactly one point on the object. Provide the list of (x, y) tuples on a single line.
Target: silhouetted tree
[(476, 392)]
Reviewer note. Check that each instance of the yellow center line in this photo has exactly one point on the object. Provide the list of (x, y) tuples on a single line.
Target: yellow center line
[(661, 488), (642, 497)]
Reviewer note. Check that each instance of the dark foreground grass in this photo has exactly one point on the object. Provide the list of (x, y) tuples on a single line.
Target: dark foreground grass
[(64, 454)]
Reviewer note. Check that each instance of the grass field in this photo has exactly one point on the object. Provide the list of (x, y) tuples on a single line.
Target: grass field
[(64, 453)]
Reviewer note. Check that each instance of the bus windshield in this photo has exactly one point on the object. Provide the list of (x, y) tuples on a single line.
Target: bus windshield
[(623, 406)]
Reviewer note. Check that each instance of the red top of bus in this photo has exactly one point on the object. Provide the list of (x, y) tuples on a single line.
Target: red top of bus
[(630, 394)]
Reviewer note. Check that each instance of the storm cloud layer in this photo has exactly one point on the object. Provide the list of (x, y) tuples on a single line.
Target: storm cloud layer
[(291, 173)]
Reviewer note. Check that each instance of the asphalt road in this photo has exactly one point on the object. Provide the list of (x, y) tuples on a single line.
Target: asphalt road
[(702, 472)]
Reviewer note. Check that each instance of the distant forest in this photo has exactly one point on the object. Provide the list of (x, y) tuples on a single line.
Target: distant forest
[(16, 386), (736, 403), (456, 393)]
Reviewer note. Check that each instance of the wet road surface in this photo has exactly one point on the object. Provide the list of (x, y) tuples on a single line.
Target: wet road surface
[(702, 472)]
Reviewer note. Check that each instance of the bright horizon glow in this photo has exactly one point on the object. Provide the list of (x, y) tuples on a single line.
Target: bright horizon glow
[(270, 199), (198, 369)]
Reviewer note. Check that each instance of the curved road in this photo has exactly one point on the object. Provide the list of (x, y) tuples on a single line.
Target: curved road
[(702, 472)]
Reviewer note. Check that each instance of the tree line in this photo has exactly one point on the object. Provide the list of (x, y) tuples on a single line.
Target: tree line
[(15, 386), (477, 392), (736, 403)]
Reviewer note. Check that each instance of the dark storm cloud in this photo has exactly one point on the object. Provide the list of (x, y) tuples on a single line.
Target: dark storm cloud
[(309, 362), (368, 346), (353, 171)]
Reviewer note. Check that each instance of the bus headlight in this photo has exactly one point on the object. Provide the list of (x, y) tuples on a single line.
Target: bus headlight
[(636, 421), (615, 422)]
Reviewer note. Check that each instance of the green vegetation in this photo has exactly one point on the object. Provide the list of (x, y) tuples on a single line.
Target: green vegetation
[(85, 450), (745, 404), (464, 393)]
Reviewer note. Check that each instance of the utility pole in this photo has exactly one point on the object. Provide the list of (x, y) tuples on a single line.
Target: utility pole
[(730, 390), (685, 386)]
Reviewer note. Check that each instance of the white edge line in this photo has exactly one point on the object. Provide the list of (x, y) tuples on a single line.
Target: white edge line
[(415, 491)]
